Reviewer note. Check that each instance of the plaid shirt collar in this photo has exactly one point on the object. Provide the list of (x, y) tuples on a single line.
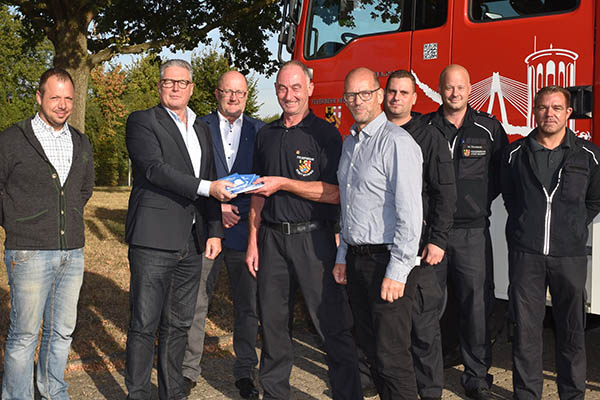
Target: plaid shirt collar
[(38, 123)]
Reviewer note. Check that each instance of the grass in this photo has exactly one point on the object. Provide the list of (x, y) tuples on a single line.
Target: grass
[(103, 310)]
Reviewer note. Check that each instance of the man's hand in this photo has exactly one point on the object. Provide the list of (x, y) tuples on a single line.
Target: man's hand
[(432, 254), (213, 248), (272, 184), (252, 259), (391, 290), (339, 273), (219, 190), (230, 215)]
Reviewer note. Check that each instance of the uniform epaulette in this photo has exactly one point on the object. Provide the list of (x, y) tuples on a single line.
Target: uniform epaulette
[(485, 114)]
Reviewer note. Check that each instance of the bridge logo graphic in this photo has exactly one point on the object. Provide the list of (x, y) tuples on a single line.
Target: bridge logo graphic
[(551, 66)]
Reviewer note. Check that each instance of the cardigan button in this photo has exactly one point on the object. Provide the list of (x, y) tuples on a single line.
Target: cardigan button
[(62, 232), (54, 176)]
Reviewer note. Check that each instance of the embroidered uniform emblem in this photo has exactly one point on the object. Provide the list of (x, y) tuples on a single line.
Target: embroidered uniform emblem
[(466, 152), (304, 165)]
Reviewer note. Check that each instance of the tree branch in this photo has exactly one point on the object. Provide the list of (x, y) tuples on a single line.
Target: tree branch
[(109, 52)]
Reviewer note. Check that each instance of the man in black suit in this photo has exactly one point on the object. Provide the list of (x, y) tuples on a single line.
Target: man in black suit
[(233, 135), (171, 221)]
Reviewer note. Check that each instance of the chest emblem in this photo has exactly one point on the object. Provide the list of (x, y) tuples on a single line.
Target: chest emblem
[(304, 165), (467, 152)]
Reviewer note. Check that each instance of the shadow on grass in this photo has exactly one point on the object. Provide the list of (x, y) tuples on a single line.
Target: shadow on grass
[(94, 229), (102, 310), (113, 220)]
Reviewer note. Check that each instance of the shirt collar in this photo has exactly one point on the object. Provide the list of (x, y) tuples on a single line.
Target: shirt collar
[(237, 122), (41, 124), (536, 146), (306, 121), (372, 127), (191, 116)]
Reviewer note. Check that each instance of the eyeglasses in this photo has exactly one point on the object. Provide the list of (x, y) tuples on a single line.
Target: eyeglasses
[(365, 95), (229, 92), (169, 83)]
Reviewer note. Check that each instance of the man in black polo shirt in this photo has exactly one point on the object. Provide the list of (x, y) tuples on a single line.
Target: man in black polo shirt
[(291, 238)]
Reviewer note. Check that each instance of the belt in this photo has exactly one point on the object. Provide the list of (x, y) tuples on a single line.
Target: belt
[(291, 228), (364, 249)]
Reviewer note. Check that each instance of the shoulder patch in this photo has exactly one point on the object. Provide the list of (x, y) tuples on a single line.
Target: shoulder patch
[(485, 114)]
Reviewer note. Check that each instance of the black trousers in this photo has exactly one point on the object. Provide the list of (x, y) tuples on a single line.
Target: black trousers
[(530, 275), (382, 328), (425, 335), (305, 260), (245, 328), (162, 296), (470, 272)]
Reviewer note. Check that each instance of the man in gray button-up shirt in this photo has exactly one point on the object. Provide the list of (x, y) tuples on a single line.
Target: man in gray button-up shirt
[(380, 178)]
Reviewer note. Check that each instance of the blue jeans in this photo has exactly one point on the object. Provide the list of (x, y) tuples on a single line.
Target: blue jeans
[(44, 284)]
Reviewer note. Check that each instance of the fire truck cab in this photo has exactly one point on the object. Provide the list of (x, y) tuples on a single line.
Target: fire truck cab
[(512, 48)]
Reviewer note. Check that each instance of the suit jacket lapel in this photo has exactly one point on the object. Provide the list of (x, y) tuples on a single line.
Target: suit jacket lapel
[(165, 120), (215, 131)]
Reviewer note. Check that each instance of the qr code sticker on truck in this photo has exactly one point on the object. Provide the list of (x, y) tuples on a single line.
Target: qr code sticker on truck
[(430, 51)]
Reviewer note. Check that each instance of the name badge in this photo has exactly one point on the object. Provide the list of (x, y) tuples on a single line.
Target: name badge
[(473, 150)]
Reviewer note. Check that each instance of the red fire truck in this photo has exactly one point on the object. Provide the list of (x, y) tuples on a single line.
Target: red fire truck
[(511, 48)]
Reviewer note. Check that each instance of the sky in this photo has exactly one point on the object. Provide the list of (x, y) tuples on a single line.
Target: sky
[(265, 86)]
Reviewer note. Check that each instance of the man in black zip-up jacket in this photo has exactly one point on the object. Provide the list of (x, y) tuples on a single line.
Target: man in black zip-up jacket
[(46, 178), (475, 140), (439, 204), (551, 189)]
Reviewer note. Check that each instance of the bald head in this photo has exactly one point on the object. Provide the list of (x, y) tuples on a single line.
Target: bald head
[(455, 88), (362, 73), (231, 76), (231, 94), (454, 69), (363, 96)]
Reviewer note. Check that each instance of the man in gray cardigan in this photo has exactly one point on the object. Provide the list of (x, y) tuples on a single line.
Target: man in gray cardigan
[(46, 178)]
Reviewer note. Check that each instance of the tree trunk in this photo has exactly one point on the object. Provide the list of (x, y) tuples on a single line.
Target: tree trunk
[(71, 53)]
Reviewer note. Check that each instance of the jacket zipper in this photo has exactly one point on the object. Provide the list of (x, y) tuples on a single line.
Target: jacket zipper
[(548, 218), (451, 146)]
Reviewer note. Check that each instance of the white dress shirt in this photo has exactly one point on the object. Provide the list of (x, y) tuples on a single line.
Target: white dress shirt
[(230, 136), (190, 138)]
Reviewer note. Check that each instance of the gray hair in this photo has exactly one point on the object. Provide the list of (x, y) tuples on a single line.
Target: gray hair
[(176, 63), (299, 64)]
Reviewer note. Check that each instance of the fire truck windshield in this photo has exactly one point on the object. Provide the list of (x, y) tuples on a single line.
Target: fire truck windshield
[(334, 23)]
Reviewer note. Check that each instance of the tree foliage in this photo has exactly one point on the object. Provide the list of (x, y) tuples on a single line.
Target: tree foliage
[(20, 70), (207, 68), (110, 154), (86, 33), (142, 77)]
